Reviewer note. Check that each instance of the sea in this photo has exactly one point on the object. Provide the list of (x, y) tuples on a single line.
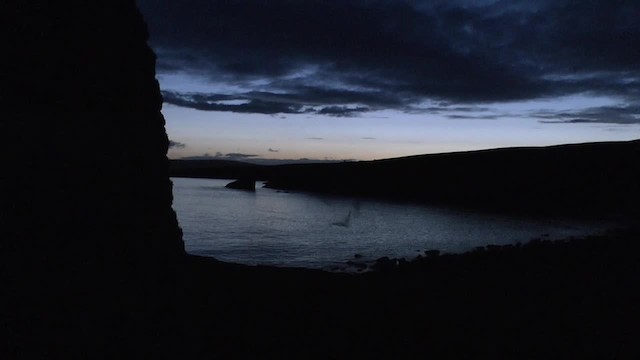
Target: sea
[(298, 229)]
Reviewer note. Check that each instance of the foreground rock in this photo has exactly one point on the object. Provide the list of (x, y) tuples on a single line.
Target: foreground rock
[(88, 236), (542, 300), (242, 184)]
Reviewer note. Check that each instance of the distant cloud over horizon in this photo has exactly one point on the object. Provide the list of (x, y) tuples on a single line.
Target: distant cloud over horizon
[(221, 156), (260, 160), (349, 57), (621, 115), (239, 156), (176, 145)]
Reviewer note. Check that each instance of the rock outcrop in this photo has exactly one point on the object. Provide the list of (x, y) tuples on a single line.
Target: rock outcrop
[(242, 184), (87, 174), (88, 232)]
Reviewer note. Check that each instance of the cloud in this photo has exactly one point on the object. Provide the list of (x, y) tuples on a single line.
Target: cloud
[(367, 138), (219, 155), (307, 101), (176, 145), (274, 150), (342, 58), (210, 102), (342, 111), (315, 138), (570, 121), (473, 117), (239, 156), (622, 115)]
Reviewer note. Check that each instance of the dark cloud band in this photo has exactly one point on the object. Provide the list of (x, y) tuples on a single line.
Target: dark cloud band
[(342, 58)]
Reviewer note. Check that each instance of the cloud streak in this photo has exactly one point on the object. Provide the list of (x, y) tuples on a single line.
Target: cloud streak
[(347, 57), (620, 115), (176, 145)]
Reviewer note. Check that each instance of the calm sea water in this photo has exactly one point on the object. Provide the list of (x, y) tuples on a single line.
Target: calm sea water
[(316, 231)]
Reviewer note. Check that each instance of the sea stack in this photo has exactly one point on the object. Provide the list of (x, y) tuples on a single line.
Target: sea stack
[(242, 184)]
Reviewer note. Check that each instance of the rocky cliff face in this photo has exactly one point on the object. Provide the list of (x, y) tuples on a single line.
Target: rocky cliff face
[(89, 244), (85, 181)]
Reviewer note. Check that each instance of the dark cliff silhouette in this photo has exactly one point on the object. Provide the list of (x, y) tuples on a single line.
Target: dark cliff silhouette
[(87, 222), (92, 262), (82, 115)]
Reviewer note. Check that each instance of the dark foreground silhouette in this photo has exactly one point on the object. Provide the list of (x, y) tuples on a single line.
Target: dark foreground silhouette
[(541, 300), (91, 257), (574, 299)]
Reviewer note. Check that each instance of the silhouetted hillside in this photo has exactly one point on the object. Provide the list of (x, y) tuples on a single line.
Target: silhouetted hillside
[(580, 179), (591, 178), (217, 169)]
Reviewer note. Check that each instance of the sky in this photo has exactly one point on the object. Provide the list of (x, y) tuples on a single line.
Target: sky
[(372, 79)]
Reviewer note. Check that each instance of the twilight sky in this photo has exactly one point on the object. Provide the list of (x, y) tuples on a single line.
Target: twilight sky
[(371, 79)]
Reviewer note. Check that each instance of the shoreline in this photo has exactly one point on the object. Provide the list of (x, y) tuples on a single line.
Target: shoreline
[(360, 264), (540, 300)]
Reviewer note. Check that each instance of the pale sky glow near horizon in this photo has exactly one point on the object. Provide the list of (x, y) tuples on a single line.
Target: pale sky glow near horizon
[(378, 135), (364, 80)]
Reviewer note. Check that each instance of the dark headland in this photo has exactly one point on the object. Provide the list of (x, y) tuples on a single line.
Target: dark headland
[(576, 179), (246, 184), (92, 259)]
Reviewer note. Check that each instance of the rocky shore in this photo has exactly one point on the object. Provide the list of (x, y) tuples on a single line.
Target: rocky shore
[(540, 300)]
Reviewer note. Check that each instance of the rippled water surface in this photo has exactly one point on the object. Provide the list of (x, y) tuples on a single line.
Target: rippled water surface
[(300, 229)]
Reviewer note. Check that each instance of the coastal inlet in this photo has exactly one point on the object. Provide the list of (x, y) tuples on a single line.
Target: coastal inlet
[(281, 228)]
